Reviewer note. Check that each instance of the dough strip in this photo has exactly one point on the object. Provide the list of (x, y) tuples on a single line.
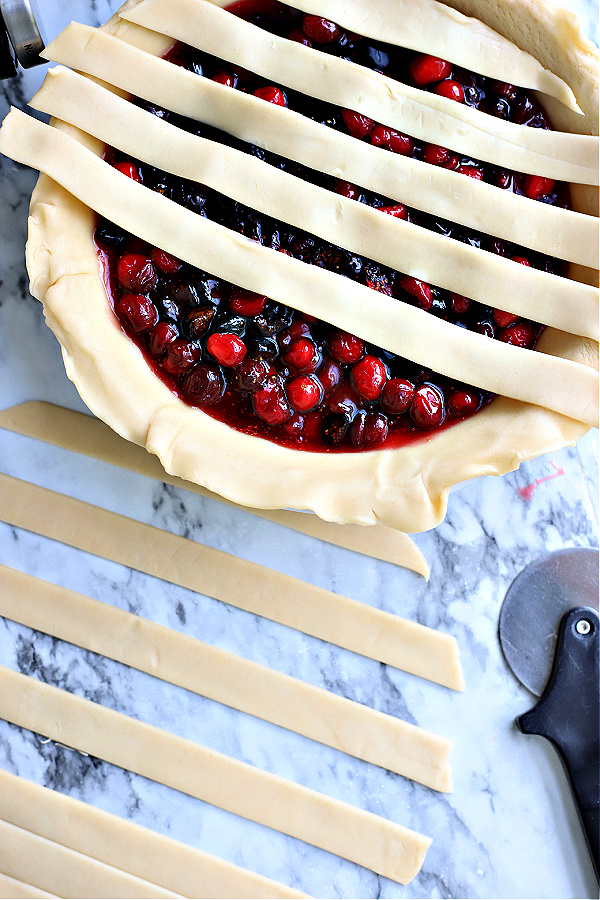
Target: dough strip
[(434, 28), (558, 384), (368, 840), (480, 275), (12, 889), (118, 61), (26, 856), (127, 846), (86, 434), (318, 714), (330, 617), (422, 114)]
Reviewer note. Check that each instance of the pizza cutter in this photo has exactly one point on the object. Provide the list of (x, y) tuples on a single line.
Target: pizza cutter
[(21, 40), (550, 635)]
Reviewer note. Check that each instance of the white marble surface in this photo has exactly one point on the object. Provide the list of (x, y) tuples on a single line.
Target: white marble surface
[(509, 829)]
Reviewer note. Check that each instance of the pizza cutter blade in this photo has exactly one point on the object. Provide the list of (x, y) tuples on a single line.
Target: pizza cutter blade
[(550, 636)]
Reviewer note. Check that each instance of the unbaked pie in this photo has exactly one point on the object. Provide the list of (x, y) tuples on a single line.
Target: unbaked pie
[(310, 262)]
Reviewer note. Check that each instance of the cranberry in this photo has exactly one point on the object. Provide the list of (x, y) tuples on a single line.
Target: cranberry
[(471, 171), (204, 385), (136, 273), (464, 402), (181, 357), (485, 327), (160, 337), (297, 329), (521, 334), (165, 262), (460, 304), (369, 430), (294, 427), (536, 186), (128, 169), (436, 155), (303, 356), (271, 95), (451, 89), (320, 30), (345, 347), (397, 395), (298, 35), (346, 189), (246, 303), (270, 403), (197, 321), (521, 260), (502, 319), (226, 78), (427, 409), (427, 69), (227, 349), (392, 140), (137, 312), (330, 375), (418, 289), (343, 401), (358, 125), (398, 211), (251, 374), (369, 376), (305, 393)]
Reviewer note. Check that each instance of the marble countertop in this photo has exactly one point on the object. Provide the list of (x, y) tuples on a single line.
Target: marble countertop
[(509, 829)]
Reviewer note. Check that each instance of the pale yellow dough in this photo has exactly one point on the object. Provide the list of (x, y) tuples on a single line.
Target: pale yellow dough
[(13, 889), (126, 846), (347, 623), (384, 847)]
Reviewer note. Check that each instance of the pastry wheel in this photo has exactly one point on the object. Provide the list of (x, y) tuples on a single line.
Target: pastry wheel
[(21, 40)]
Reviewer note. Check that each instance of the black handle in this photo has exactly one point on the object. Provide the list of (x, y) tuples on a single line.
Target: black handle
[(568, 715)]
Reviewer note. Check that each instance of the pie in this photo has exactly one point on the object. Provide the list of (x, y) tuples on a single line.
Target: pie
[(338, 256)]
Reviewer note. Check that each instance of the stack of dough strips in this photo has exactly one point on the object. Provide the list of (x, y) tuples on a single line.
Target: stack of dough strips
[(387, 848), (125, 57)]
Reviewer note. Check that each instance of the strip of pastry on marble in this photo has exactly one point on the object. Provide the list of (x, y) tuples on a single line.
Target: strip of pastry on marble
[(384, 847), (496, 281), (559, 384)]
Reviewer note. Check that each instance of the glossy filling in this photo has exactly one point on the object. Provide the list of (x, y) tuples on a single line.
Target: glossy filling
[(266, 369)]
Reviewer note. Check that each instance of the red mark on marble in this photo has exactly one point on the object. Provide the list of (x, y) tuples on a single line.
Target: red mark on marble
[(526, 493)]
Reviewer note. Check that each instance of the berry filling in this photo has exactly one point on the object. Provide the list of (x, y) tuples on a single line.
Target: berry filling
[(266, 369)]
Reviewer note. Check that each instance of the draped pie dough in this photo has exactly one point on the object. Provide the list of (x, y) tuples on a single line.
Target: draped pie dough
[(406, 488)]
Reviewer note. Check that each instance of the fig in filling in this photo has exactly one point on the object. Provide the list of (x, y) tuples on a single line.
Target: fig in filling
[(264, 368)]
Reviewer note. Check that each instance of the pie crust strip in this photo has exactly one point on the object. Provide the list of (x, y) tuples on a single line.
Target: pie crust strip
[(26, 856), (88, 435), (480, 275), (423, 115), (73, 46), (13, 889), (315, 713), (430, 188), (354, 834), (330, 617), (556, 383), (126, 846), (436, 29)]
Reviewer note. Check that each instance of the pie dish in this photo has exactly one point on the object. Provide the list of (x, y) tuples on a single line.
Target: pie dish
[(185, 327)]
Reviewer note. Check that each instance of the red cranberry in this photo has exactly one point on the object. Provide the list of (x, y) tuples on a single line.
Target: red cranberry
[(451, 89), (460, 304), (297, 329), (251, 374), (521, 334), (485, 328), (357, 124), (330, 375), (451, 162), (271, 95), (246, 303), (427, 409), (392, 140), (227, 349), (294, 427), (502, 319), (128, 169), (398, 211), (137, 312), (313, 423), (521, 260), (226, 78), (165, 262), (436, 155), (181, 357), (351, 191), (464, 402), (270, 403), (298, 35), (345, 347), (343, 401), (369, 430), (397, 395), (427, 69), (161, 336), (303, 356), (471, 171), (418, 289), (198, 320), (305, 393), (136, 273), (204, 385), (536, 186), (369, 376), (320, 30)]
